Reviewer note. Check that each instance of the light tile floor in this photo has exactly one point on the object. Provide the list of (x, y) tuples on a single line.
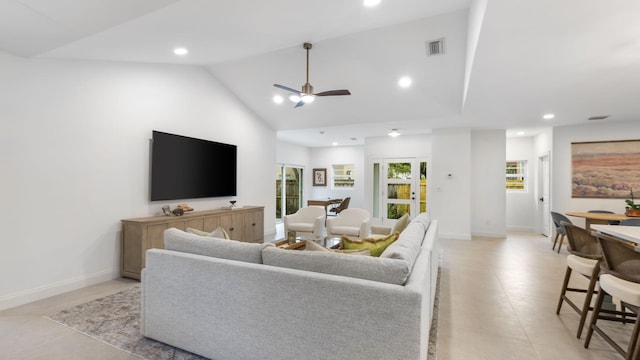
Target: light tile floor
[(498, 300)]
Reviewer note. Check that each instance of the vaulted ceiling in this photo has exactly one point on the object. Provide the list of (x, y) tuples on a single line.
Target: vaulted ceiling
[(505, 63)]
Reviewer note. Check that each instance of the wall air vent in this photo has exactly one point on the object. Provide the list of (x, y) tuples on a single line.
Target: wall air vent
[(435, 47), (598, 117)]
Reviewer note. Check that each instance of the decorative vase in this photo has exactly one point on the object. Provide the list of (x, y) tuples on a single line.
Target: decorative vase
[(632, 212)]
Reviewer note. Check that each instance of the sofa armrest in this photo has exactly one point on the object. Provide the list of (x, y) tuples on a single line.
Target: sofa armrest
[(365, 228), (318, 225)]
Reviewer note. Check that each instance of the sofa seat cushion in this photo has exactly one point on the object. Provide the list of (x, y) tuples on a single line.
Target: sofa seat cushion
[(346, 230), (392, 271), (376, 243), (299, 226), (178, 240)]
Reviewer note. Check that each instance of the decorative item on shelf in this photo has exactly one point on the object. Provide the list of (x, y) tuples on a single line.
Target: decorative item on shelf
[(166, 210), (632, 209), (178, 211), (233, 204), (185, 207)]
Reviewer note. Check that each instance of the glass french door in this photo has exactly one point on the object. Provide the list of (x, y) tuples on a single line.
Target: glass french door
[(400, 187), (288, 190)]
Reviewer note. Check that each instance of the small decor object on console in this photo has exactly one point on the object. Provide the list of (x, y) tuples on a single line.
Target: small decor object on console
[(632, 209), (166, 210), (291, 237), (233, 204), (178, 211), (185, 207)]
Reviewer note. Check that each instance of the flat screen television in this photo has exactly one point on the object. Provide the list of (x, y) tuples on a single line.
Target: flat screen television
[(188, 168)]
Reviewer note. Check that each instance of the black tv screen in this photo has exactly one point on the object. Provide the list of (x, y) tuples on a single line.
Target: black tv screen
[(188, 168)]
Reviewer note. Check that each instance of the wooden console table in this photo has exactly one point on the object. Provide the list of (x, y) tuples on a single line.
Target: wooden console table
[(141, 234)]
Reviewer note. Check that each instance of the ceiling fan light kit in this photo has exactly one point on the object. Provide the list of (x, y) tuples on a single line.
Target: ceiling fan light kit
[(306, 95)]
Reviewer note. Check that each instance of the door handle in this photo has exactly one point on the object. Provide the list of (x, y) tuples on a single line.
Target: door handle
[(541, 199)]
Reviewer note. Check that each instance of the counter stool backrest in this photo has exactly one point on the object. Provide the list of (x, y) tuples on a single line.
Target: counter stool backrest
[(619, 258), (581, 242)]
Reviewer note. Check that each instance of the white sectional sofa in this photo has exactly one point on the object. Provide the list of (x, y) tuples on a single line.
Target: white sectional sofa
[(228, 300)]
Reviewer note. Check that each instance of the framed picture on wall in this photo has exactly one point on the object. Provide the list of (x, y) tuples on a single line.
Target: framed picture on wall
[(605, 169), (319, 177)]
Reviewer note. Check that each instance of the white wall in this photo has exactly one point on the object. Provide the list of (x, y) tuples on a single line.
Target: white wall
[(521, 205), (450, 196), (561, 179), (74, 151), (326, 157), (488, 195)]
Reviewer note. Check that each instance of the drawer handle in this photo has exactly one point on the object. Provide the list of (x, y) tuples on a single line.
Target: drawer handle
[(254, 224), (230, 229)]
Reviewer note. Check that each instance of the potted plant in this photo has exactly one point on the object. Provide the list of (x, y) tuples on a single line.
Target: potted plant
[(632, 208)]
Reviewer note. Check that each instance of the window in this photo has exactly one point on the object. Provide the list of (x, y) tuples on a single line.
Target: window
[(516, 171), (343, 176)]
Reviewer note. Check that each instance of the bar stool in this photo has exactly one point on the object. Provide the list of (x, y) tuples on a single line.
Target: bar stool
[(557, 221), (620, 278), (584, 258)]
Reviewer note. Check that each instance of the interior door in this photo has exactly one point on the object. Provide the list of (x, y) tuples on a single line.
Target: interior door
[(544, 197)]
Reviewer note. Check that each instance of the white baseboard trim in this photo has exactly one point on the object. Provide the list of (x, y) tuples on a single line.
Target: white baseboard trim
[(520, 228), (45, 291), (491, 235), (455, 236)]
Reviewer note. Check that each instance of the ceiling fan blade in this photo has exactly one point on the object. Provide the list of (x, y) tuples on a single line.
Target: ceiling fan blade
[(286, 88), (333, 93), (298, 104)]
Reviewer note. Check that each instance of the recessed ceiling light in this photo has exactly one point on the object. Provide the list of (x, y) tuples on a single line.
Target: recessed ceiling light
[(404, 82), (370, 3), (520, 133), (335, 143), (278, 99), (180, 51), (548, 116), (394, 133)]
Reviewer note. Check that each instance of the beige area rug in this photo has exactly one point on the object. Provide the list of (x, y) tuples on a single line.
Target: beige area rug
[(115, 320)]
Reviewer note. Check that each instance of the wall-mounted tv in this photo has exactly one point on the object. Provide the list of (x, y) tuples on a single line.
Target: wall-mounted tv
[(188, 168)]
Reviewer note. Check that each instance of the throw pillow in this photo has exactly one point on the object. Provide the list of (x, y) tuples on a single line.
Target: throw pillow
[(219, 233), (375, 244), (311, 245), (402, 223)]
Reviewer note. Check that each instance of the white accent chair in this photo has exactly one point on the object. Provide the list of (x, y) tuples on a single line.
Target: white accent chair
[(307, 220), (353, 222)]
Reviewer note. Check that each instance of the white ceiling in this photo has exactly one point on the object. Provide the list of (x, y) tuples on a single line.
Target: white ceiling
[(520, 59)]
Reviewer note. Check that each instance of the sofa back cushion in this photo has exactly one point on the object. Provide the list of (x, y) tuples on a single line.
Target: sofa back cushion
[(424, 219), (408, 245), (178, 240), (392, 271)]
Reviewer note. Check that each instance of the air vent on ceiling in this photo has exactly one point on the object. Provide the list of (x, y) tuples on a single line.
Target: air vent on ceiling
[(435, 47), (598, 117)]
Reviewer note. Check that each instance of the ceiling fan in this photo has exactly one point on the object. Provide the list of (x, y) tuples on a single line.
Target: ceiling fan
[(306, 95)]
